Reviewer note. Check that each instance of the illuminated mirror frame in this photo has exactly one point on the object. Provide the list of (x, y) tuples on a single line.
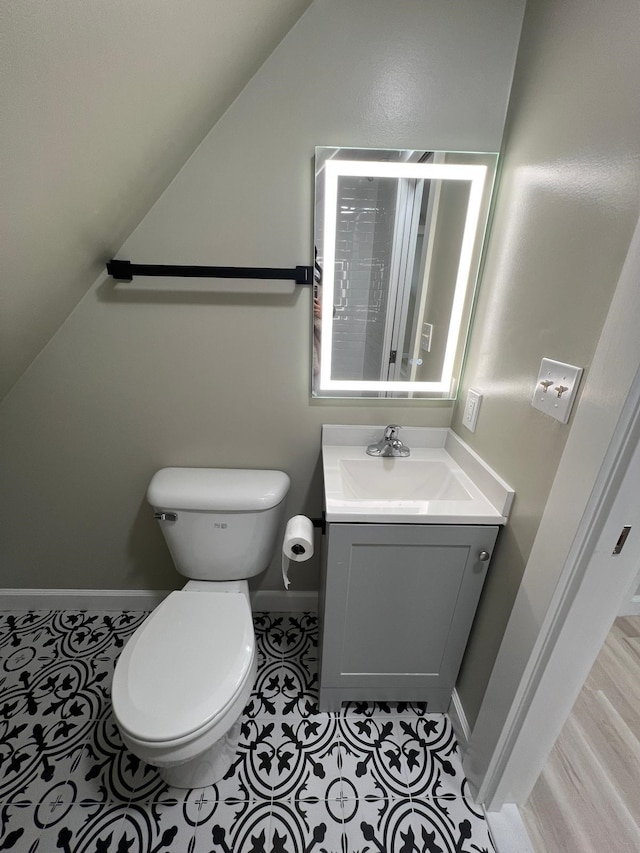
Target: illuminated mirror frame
[(476, 175)]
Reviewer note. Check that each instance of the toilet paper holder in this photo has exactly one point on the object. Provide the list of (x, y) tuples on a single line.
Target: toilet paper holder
[(298, 542), (321, 523)]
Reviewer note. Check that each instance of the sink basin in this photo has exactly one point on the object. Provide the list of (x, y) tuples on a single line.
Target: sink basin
[(401, 479), (443, 481)]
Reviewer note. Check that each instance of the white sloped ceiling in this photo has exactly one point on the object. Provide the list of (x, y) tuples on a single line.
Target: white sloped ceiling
[(101, 103)]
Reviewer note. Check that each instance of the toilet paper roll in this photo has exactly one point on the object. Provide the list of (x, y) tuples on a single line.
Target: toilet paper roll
[(297, 544)]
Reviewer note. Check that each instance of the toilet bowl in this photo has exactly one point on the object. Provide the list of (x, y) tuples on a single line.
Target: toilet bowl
[(186, 674), (181, 684)]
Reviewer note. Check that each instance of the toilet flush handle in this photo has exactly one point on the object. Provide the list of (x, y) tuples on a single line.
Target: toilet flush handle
[(166, 516)]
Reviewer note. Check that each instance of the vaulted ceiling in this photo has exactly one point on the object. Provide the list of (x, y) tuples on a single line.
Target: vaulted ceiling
[(100, 106)]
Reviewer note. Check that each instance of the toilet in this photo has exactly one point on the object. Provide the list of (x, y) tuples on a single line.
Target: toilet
[(185, 676)]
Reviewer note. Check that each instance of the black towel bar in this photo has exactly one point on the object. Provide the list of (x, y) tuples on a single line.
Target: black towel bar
[(125, 271)]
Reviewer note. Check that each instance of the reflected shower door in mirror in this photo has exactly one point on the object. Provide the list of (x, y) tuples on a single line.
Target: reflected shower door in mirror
[(398, 242)]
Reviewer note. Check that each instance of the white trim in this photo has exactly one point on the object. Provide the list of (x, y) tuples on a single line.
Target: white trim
[(508, 831), (139, 599), (81, 599), (506, 827), (459, 721), (631, 604), (540, 667), (573, 596), (426, 264), (283, 601), (630, 607)]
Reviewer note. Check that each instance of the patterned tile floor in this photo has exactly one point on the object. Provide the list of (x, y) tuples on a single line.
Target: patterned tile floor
[(370, 779)]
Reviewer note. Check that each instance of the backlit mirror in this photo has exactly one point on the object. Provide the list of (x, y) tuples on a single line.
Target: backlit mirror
[(398, 242)]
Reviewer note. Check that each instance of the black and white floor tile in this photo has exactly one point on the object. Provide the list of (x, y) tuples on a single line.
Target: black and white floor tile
[(374, 778)]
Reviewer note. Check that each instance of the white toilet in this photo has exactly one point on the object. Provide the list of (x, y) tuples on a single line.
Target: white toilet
[(186, 674)]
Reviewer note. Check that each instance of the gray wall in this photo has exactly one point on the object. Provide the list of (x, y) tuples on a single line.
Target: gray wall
[(101, 104), (135, 380), (567, 207)]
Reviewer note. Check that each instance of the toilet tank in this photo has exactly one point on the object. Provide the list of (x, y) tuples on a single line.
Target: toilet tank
[(219, 523)]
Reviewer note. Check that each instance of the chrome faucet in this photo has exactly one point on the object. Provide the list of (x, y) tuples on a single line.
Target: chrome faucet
[(390, 444)]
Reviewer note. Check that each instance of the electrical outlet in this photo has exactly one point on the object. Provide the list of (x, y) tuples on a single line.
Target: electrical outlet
[(556, 389), (471, 408)]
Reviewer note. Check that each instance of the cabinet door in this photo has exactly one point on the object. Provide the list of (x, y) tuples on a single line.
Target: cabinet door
[(399, 603)]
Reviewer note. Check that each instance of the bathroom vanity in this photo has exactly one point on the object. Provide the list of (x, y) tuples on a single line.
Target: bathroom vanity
[(406, 553)]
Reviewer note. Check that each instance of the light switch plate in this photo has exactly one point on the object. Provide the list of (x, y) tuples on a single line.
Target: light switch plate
[(425, 338), (556, 389), (471, 408)]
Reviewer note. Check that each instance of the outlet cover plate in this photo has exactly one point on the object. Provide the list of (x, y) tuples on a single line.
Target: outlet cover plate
[(553, 377), (471, 408)]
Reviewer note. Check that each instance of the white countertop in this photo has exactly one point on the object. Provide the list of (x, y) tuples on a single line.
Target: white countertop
[(480, 496)]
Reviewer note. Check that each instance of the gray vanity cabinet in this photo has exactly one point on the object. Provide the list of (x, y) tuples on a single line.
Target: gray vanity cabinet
[(397, 605)]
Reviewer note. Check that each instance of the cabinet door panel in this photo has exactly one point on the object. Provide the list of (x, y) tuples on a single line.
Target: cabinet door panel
[(399, 607), (398, 604)]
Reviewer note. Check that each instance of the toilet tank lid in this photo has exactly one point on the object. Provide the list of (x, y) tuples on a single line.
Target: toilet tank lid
[(217, 489)]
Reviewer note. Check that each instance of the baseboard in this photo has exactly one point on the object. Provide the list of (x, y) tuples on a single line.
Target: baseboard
[(631, 607), (459, 721), (506, 826), (139, 599), (81, 599), (508, 831), (284, 601)]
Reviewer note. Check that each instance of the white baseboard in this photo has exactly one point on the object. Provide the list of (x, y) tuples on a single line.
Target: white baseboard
[(284, 601), (81, 599), (139, 599), (459, 721), (506, 827), (631, 607), (508, 831)]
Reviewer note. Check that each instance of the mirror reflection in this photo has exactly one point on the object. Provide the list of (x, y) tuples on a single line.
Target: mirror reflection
[(398, 241)]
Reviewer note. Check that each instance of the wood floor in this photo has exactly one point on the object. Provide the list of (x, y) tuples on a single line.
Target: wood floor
[(587, 799)]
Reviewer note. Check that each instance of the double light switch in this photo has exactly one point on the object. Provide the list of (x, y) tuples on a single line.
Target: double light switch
[(556, 389)]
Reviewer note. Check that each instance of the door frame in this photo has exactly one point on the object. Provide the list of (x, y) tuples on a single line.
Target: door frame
[(563, 612), (403, 258)]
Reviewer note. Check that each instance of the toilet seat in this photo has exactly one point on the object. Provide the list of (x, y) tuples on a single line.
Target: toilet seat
[(184, 667)]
